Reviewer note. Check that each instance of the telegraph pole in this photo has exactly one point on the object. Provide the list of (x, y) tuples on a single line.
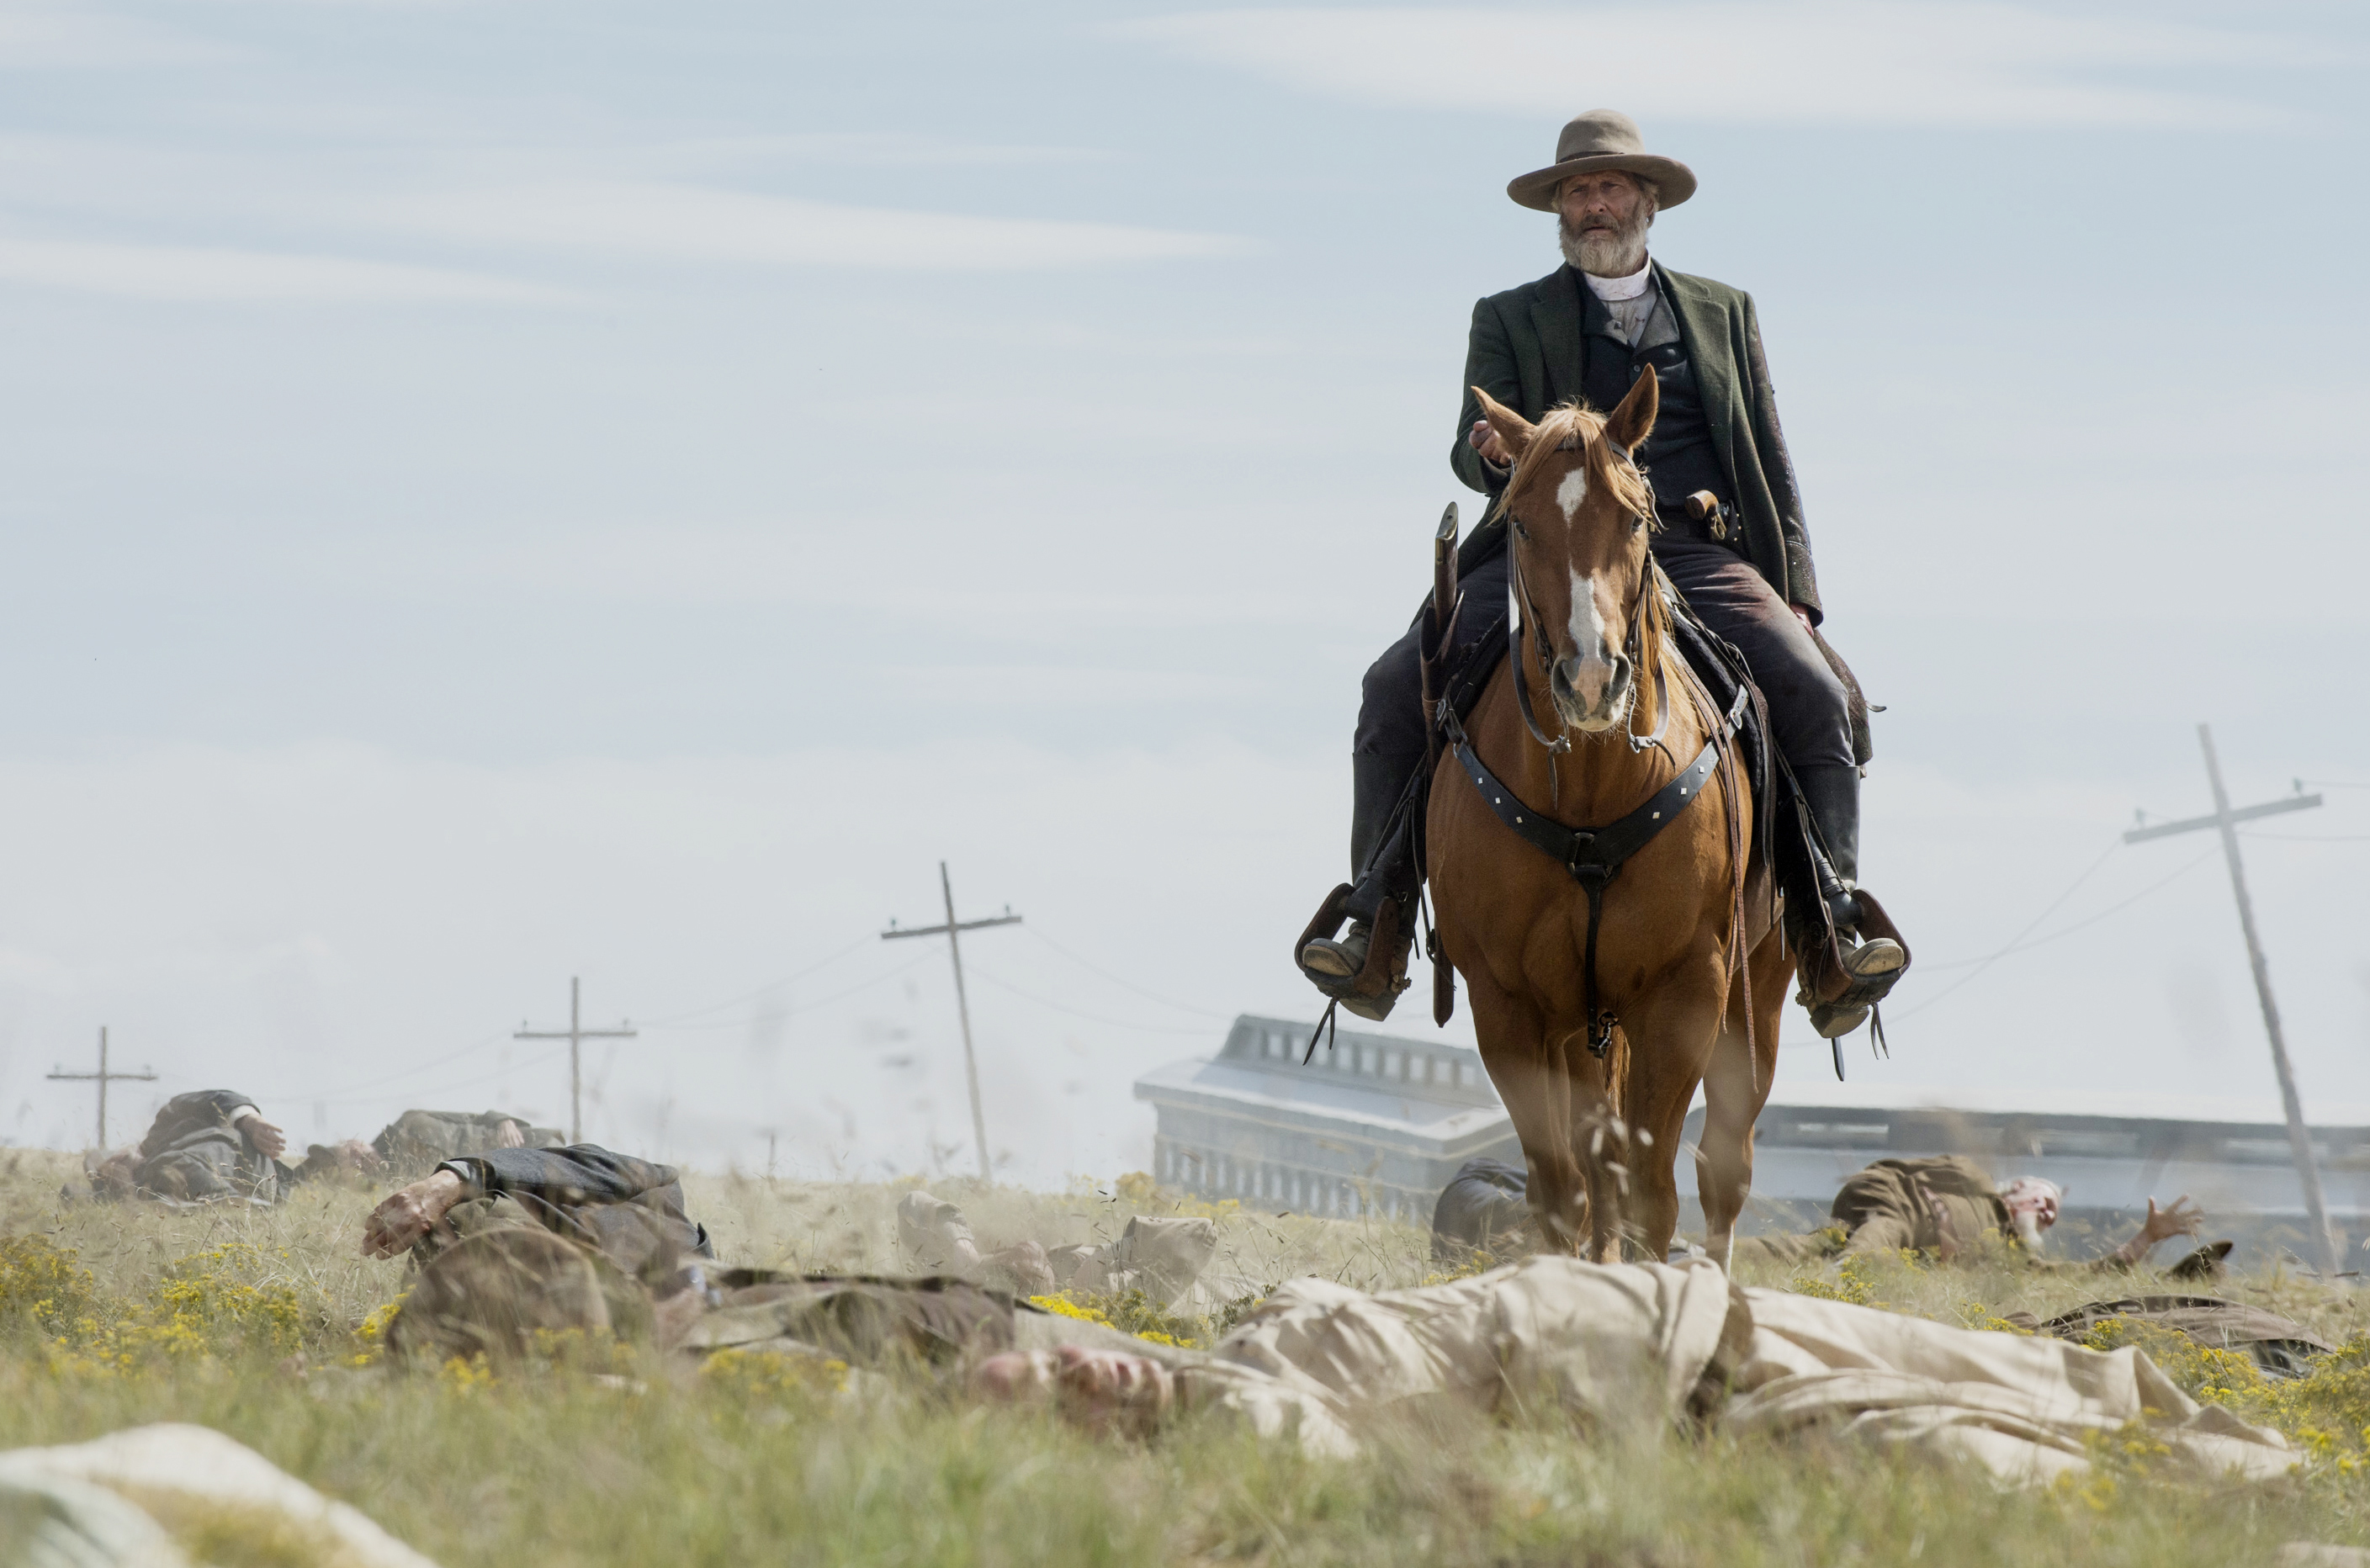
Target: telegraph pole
[(962, 1003), (104, 1078), (2227, 820), (576, 1034)]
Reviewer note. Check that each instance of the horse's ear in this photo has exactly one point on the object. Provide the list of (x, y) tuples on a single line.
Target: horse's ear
[(1633, 421), (1512, 428)]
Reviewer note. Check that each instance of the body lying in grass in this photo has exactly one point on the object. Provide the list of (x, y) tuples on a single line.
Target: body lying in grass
[(1944, 1206), (209, 1145), (1316, 1362), (1949, 1205)]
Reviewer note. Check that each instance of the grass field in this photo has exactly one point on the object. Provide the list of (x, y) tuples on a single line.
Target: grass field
[(261, 1324)]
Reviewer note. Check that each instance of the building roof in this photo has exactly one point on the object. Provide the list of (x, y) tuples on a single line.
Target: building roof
[(1420, 1095)]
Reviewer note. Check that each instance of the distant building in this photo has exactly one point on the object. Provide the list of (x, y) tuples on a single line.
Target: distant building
[(1374, 1124), (1379, 1123)]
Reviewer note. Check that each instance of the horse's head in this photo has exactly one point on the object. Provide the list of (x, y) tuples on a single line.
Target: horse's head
[(1579, 510)]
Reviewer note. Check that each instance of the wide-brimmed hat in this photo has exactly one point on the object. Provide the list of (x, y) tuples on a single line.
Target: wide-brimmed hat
[(1604, 139)]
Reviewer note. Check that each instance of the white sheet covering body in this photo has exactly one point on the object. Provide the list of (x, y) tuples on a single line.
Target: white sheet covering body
[(175, 1473), (1605, 1342), (2022, 1405), (1610, 1341)]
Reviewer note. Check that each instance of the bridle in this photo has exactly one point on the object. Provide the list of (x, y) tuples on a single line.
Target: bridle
[(1633, 646), (1594, 855)]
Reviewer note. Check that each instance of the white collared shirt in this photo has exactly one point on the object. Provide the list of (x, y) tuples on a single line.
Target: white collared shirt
[(1629, 301)]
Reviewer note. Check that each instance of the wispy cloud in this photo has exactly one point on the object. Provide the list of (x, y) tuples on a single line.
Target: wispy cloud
[(887, 149), (214, 274), (40, 37), (1852, 62), (684, 222)]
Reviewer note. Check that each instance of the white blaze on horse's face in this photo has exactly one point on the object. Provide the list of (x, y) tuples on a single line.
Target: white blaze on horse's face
[(1572, 491), (1591, 681)]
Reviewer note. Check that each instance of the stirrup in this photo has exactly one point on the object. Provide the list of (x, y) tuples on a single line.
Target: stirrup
[(1373, 991), (1339, 957), (1842, 995)]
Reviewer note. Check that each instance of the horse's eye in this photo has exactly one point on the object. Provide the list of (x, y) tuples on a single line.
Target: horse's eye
[(1637, 525)]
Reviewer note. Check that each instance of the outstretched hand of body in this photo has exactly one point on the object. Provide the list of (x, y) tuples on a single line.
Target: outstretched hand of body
[(2182, 1218), (269, 1141), (398, 1222)]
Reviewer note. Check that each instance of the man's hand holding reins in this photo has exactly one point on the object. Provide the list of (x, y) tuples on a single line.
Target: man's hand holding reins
[(1490, 444)]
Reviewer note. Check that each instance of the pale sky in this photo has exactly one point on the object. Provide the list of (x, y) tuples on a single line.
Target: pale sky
[(497, 491)]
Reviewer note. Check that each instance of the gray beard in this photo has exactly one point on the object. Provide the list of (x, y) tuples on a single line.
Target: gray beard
[(2027, 1230), (1606, 253)]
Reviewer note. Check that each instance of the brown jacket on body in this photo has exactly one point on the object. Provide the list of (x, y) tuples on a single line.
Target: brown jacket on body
[(1902, 1205)]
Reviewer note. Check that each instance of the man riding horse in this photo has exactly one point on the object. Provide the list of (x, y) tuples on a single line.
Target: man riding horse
[(1728, 535)]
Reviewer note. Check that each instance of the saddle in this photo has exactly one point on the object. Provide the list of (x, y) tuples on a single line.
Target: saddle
[(1783, 851)]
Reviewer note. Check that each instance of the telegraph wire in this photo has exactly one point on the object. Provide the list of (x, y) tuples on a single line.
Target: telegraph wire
[(2034, 924), (1074, 1012), (734, 1002), (802, 1007), (476, 1045), (2310, 838), (1096, 969), (2022, 946)]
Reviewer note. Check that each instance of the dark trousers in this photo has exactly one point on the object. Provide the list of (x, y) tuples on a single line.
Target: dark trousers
[(1809, 709)]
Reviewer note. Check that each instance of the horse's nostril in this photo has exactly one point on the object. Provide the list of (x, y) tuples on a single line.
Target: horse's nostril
[(1620, 683)]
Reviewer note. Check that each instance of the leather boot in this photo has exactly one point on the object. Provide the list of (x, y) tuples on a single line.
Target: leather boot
[(1348, 968), (1842, 981), (1361, 969)]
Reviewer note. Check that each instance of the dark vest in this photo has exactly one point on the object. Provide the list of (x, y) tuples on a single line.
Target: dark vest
[(1679, 456)]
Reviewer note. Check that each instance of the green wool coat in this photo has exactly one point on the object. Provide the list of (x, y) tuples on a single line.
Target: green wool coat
[(1526, 353)]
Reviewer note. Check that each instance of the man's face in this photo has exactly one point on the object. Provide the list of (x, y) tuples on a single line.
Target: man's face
[(1604, 218), (2030, 1200), (1606, 199)]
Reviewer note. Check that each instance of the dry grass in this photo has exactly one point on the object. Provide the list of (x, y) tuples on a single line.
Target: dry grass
[(562, 1467)]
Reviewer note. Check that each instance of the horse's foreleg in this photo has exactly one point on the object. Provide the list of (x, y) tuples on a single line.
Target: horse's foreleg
[(1735, 1088), (1675, 1037), (1526, 1069), (1601, 1138)]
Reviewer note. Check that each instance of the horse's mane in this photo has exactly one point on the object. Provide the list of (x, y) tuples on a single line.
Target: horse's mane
[(1574, 422)]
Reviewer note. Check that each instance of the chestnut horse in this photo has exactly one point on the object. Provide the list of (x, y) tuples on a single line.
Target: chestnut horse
[(1683, 941)]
